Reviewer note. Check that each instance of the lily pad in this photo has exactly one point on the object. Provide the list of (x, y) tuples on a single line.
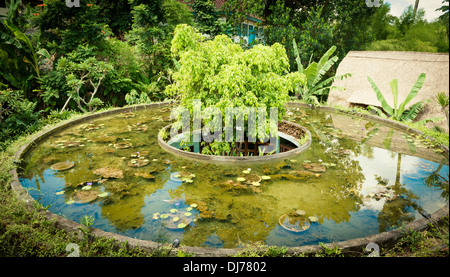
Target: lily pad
[(187, 214), (294, 223), (240, 179), (138, 127), (103, 194), (189, 209), (265, 177), (163, 216), (314, 167), (313, 219), (252, 178), (70, 201), (144, 175), (176, 221), (60, 192), (62, 166), (138, 162), (193, 205), (300, 212), (173, 210), (85, 196), (123, 145)]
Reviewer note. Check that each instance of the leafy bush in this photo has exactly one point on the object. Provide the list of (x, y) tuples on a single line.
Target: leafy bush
[(17, 115)]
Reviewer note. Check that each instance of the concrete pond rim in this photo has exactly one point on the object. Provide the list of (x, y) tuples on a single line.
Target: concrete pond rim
[(349, 247)]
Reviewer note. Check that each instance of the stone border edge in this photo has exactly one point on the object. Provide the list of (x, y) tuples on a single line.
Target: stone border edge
[(349, 247)]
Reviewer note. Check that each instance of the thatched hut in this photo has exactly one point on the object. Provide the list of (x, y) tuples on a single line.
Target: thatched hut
[(382, 67)]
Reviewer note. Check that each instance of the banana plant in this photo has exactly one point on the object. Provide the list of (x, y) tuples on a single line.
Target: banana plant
[(399, 111), (314, 86)]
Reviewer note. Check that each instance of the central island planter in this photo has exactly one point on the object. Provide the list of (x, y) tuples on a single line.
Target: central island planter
[(286, 145)]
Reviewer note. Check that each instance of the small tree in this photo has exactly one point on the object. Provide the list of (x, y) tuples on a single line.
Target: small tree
[(82, 77), (221, 74)]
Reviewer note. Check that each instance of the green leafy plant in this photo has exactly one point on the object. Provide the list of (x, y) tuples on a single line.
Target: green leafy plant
[(314, 86), (222, 75), (399, 111), (89, 73)]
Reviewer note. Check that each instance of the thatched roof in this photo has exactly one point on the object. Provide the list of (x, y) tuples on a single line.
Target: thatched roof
[(382, 67)]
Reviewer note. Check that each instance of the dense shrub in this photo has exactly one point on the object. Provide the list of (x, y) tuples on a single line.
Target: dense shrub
[(17, 115)]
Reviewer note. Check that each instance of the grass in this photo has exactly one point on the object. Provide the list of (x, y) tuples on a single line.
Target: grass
[(26, 232)]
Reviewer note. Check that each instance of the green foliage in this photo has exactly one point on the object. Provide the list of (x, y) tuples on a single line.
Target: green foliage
[(17, 116), (399, 111), (407, 33), (207, 18), (316, 36), (314, 86), (82, 77), (63, 28), (221, 74), (17, 53)]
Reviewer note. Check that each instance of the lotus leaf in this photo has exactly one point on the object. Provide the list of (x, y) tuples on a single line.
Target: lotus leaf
[(62, 166)]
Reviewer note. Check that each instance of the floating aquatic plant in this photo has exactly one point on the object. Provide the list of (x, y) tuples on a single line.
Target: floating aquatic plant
[(313, 219), (103, 194), (294, 222), (265, 177), (240, 179), (144, 175), (62, 166), (109, 172), (314, 167), (85, 196), (138, 162), (123, 145)]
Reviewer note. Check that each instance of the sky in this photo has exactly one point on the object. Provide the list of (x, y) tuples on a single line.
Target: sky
[(430, 6)]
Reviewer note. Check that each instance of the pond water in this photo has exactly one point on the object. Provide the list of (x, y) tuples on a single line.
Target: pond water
[(358, 178)]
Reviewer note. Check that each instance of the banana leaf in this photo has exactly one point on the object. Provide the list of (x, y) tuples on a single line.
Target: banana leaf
[(415, 89), (381, 98)]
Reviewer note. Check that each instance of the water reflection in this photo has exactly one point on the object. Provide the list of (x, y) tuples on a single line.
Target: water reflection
[(358, 178)]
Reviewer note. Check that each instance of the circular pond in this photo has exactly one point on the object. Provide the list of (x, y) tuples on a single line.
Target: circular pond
[(357, 178)]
